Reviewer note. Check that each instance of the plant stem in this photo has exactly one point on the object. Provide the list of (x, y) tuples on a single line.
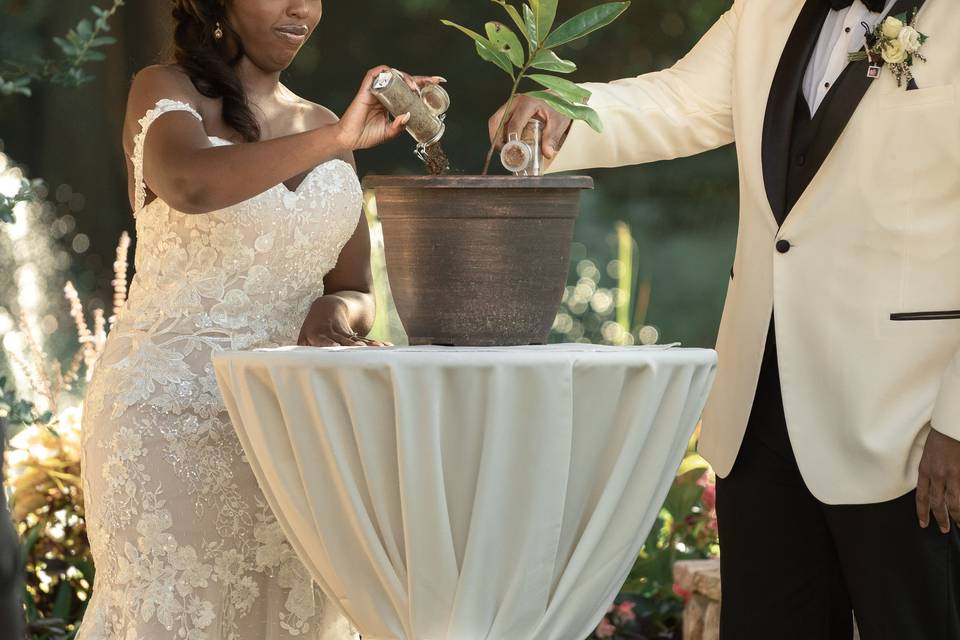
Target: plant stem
[(506, 111), (81, 57)]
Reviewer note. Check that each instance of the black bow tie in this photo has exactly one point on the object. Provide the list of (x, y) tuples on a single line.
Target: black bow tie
[(874, 5)]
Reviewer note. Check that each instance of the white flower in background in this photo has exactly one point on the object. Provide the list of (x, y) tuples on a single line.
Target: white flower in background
[(892, 27), (910, 39)]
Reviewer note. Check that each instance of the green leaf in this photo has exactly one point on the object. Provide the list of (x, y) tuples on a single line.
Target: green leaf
[(84, 28), (473, 34), (531, 21), (61, 606), (505, 41), (30, 604), (549, 61), (486, 52), (28, 542), (585, 23), (515, 16), (562, 87), (484, 48), (545, 12), (684, 495), (576, 112), (68, 48), (86, 568)]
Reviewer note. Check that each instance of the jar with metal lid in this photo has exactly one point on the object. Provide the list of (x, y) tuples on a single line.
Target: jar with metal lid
[(393, 92), (521, 155)]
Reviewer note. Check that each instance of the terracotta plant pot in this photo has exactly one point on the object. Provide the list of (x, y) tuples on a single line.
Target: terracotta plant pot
[(477, 260)]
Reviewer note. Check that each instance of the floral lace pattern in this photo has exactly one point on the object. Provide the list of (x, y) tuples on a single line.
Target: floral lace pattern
[(184, 543)]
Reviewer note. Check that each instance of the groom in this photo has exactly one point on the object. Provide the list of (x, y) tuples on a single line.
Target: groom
[(835, 421)]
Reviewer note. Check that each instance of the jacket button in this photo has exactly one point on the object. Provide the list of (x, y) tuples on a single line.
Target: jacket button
[(783, 246), (801, 160)]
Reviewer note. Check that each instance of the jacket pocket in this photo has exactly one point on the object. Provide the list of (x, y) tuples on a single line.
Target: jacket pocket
[(925, 315), (926, 97)]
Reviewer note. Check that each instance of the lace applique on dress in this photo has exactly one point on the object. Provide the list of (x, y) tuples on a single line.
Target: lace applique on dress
[(184, 544)]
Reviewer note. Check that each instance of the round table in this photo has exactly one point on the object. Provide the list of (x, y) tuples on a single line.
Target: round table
[(465, 494)]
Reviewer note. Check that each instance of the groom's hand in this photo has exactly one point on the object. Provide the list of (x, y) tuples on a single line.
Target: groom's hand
[(555, 125), (939, 486)]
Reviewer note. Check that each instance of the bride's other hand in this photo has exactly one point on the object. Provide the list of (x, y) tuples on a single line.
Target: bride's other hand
[(366, 123), (328, 325)]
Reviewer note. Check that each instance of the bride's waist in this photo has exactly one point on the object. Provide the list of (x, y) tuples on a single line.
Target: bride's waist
[(232, 316)]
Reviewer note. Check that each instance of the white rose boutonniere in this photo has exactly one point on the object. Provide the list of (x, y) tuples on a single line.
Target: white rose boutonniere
[(910, 39), (891, 28), (894, 52), (894, 43)]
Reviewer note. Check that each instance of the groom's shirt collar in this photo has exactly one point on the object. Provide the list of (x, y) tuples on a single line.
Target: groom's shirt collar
[(842, 34)]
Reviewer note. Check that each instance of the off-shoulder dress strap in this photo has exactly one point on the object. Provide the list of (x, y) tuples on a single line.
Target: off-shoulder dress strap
[(163, 106)]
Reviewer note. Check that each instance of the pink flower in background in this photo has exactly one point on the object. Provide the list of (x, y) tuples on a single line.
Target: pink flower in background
[(625, 611), (709, 484), (710, 497), (683, 593), (605, 629)]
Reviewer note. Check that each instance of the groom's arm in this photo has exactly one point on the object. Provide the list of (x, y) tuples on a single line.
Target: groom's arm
[(678, 112)]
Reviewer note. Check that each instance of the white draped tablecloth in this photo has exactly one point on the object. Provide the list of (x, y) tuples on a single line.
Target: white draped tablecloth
[(467, 494)]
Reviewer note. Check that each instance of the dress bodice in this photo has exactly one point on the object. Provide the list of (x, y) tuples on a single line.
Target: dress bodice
[(238, 278)]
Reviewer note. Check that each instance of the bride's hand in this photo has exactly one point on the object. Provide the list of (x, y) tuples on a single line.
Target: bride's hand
[(366, 123), (328, 325)]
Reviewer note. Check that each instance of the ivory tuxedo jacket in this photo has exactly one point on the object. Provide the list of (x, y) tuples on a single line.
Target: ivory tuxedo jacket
[(862, 273)]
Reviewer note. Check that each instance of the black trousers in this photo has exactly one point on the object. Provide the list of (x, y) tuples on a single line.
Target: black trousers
[(793, 568)]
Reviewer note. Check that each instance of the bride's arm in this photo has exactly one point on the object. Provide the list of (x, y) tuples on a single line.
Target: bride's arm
[(348, 306), (183, 168)]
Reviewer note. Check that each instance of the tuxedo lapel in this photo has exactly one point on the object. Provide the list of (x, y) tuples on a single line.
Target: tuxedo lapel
[(844, 97), (782, 101), (834, 113)]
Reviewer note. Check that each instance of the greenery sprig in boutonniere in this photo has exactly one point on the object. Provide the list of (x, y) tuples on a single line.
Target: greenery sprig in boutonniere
[(895, 42)]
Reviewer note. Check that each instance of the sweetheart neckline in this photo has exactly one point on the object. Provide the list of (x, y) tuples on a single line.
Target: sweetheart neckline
[(287, 192), (286, 189)]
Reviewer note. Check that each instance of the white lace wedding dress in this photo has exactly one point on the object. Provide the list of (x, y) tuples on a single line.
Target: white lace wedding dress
[(184, 543)]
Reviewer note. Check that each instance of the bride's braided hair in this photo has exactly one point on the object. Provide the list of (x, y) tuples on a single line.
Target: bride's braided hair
[(211, 63)]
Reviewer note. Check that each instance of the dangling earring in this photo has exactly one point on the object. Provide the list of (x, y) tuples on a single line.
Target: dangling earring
[(218, 32)]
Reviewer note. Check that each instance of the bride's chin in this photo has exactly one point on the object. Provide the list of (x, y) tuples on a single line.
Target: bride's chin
[(277, 61)]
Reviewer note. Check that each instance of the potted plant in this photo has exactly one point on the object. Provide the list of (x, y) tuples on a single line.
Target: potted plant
[(482, 260)]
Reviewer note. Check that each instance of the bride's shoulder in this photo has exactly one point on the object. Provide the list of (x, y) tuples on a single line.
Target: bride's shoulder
[(315, 115), (321, 114), (157, 82), (163, 81), (152, 84)]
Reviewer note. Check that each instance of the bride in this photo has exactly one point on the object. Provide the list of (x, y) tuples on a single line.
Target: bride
[(250, 234)]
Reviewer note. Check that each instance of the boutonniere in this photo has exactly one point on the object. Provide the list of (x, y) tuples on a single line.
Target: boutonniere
[(896, 43)]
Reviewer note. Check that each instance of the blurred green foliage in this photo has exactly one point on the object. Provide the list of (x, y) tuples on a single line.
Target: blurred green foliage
[(79, 46)]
